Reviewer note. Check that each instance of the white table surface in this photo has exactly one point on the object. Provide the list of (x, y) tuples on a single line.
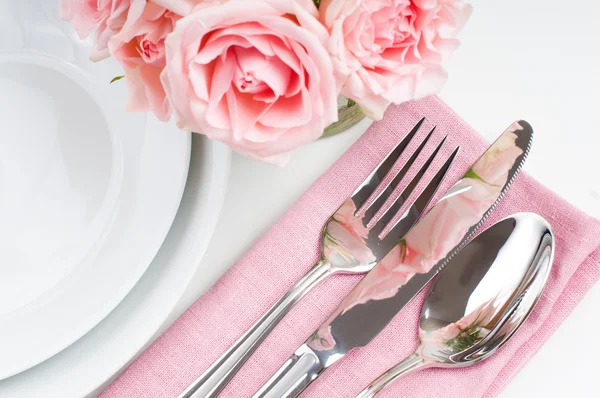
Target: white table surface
[(536, 60)]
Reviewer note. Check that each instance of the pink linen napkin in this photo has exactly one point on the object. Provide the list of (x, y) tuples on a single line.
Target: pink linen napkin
[(291, 247)]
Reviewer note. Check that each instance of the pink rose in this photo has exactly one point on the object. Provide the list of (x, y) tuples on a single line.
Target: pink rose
[(252, 74), (492, 167), (445, 225), (140, 48), (479, 317), (345, 215), (183, 7), (105, 17), (392, 271), (345, 237), (390, 50), (321, 339)]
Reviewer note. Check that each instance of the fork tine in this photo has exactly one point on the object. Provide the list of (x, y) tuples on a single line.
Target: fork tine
[(370, 184), (389, 214), (389, 190), (415, 211)]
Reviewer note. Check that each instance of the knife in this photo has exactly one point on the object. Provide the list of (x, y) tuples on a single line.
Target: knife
[(409, 266)]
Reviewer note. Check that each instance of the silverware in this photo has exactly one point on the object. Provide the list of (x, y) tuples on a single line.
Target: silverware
[(396, 279), (481, 299), (351, 244)]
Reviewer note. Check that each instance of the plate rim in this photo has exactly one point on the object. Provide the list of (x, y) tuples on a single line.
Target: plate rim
[(155, 333), (187, 266), (153, 129)]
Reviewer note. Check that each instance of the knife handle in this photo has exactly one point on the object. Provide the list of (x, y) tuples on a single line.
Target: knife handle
[(294, 376)]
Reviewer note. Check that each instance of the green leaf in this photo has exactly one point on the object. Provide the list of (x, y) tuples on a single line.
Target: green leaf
[(317, 3), (473, 175), (116, 79), (350, 103), (403, 249), (466, 338)]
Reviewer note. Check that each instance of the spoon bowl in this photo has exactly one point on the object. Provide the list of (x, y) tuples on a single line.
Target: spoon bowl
[(482, 297)]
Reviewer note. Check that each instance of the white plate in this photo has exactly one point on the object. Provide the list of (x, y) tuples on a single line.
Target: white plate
[(87, 364), (87, 191)]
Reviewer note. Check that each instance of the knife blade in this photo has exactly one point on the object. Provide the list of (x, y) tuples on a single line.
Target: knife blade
[(403, 273)]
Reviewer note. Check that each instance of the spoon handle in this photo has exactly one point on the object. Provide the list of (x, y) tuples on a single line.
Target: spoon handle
[(408, 364)]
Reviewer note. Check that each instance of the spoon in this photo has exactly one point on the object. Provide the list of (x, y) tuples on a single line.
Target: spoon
[(482, 297)]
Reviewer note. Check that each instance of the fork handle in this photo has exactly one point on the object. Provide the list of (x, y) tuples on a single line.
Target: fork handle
[(216, 377)]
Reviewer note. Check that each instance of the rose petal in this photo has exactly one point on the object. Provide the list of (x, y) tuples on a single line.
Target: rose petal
[(199, 76), (289, 112), (157, 99), (244, 112), (277, 76), (224, 70)]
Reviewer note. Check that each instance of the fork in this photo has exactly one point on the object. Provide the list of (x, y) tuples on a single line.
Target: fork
[(352, 243)]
